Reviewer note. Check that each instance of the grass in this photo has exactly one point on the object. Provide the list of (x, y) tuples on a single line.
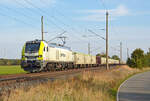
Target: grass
[(4, 70), (90, 86)]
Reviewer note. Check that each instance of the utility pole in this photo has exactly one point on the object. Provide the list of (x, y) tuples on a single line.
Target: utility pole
[(89, 50), (120, 52), (42, 28), (107, 65), (127, 52)]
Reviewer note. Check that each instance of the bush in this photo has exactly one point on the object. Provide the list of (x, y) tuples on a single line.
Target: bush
[(10, 62), (139, 59), (115, 57)]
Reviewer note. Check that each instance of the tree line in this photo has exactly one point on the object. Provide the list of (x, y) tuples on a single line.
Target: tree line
[(115, 57), (10, 62), (139, 59)]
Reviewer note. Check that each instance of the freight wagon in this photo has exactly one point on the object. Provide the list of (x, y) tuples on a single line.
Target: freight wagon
[(84, 60), (102, 60)]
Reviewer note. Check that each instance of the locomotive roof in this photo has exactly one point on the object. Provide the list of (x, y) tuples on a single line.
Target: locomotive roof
[(34, 41), (54, 45)]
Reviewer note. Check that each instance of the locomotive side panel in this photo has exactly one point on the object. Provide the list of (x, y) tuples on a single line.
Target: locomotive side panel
[(65, 56), (52, 54), (60, 55)]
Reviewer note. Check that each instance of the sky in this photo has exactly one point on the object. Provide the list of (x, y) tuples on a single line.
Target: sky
[(128, 23)]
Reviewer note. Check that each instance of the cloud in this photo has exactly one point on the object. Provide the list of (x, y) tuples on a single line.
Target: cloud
[(99, 15), (120, 11)]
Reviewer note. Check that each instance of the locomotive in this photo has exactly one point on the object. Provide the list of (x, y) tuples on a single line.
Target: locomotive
[(39, 56)]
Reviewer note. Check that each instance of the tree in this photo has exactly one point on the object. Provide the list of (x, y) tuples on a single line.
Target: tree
[(102, 55), (115, 57), (146, 60), (137, 58), (130, 62)]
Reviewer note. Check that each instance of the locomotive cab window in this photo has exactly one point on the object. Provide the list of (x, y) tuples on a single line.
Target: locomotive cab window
[(32, 47)]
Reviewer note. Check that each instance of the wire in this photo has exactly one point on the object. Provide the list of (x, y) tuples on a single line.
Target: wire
[(25, 15), (43, 12), (16, 19), (106, 8), (56, 36), (22, 5), (58, 12), (95, 49), (96, 34)]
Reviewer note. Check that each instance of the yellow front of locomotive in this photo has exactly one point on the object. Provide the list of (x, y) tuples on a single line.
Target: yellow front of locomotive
[(32, 56)]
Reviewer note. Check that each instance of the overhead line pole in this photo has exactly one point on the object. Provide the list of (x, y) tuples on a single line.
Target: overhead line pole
[(89, 50), (120, 52), (42, 28), (107, 64), (127, 52)]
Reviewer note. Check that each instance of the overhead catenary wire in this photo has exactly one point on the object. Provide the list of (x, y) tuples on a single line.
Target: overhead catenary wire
[(96, 34), (58, 12), (21, 13), (16, 19), (95, 49), (57, 36), (20, 21), (56, 19), (28, 9), (43, 12), (106, 8)]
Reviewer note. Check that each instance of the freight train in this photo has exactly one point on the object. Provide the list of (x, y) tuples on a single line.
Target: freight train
[(39, 56)]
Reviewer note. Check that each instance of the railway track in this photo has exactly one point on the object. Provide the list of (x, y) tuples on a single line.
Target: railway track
[(8, 82), (4, 80)]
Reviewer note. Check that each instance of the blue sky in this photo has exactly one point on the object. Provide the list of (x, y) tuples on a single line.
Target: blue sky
[(128, 23)]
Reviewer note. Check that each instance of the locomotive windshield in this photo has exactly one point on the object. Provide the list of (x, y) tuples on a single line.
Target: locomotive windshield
[(32, 47)]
